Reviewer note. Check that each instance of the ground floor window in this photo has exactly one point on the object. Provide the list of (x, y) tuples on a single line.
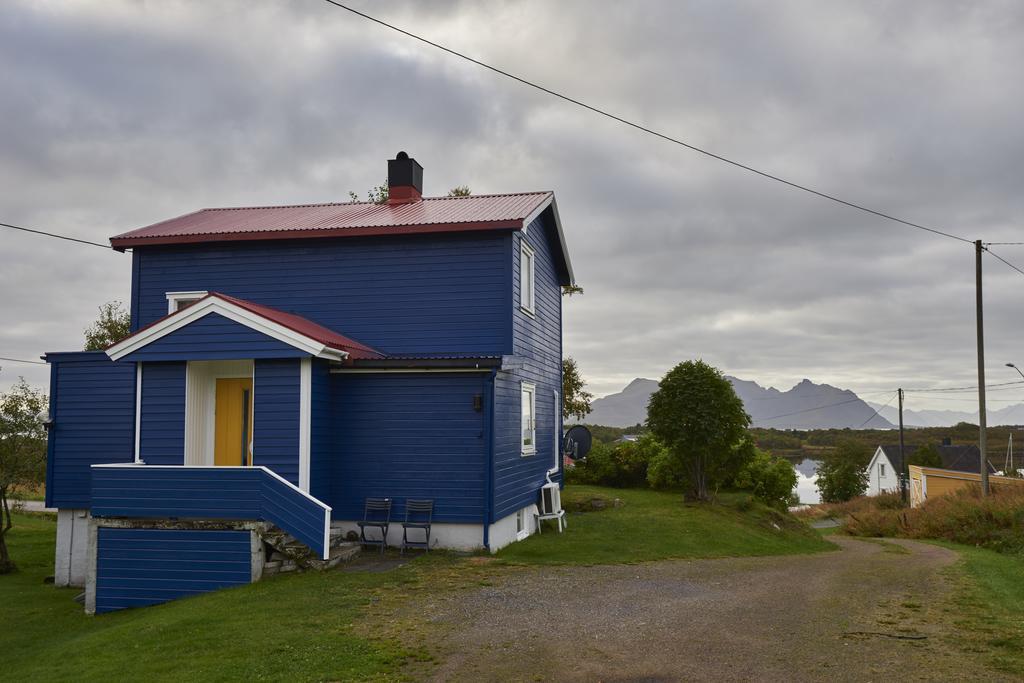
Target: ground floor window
[(529, 418), (521, 524)]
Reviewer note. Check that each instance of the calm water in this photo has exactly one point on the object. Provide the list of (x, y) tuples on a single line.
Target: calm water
[(806, 476)]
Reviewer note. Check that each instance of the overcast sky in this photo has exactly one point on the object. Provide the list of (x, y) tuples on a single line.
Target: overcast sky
[(115, 115)]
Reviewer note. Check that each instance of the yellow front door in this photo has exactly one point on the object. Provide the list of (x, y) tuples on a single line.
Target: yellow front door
[(233, 432)]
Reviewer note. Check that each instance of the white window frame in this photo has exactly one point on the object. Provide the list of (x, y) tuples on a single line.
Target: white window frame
[(527, 256), (881, 470), (173, 298), (522, 531), (531, 389)]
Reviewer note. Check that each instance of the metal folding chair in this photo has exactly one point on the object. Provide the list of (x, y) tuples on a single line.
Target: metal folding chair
[(418, 515), (376, 513)]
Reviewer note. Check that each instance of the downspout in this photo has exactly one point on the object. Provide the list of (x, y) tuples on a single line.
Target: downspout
[(51, 434), (489, 474)]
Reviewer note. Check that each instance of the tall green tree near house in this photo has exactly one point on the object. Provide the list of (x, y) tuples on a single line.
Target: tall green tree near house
[(697, 416), (22, 452), (843, 474), (575, 399), (113, 325)]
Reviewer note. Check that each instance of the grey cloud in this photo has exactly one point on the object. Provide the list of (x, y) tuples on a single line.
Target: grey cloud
[(122, 114)]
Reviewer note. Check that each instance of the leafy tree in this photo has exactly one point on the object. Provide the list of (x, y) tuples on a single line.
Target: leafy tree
[(575, 399), (843, 474), (113, 325), (770, 479), (699, 418), (925, 456), (377, 195), (22, 452), (460, 191)]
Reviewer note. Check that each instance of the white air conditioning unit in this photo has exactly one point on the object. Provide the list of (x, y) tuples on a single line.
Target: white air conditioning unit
[(550, 499)]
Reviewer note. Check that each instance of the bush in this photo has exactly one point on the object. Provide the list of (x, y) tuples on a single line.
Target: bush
[(995, 522), (621, 465), (843, 474), (770, 479)]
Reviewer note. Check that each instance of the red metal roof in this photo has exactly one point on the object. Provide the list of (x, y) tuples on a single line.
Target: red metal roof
[(431, 214), (295, 323), (305, 326)]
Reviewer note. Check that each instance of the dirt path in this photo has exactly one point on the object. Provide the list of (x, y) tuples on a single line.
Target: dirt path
[(827, 617)]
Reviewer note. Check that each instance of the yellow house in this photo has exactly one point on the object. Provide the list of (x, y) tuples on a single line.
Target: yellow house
[(931, 482)]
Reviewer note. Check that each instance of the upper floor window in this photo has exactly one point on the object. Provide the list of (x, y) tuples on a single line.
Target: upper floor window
[(179, 300), (881, 469), (526, 288), (529, 418)]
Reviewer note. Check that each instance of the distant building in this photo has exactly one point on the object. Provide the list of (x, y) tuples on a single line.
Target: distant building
[(886, 465), (627, 438)]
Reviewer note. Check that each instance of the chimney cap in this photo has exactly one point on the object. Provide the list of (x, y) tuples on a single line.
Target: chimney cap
[(405, 179)]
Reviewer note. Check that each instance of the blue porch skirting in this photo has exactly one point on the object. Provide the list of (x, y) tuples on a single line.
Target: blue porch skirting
[(138, 567)]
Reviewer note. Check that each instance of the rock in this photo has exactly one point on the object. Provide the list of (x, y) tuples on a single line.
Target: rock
[(598, 504), (618, 502)]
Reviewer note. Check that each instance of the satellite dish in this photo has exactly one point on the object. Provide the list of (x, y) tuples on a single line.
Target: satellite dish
[(576, 442)]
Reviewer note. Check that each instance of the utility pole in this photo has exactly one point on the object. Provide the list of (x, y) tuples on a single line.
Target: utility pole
[(905, 473), (982, 414)]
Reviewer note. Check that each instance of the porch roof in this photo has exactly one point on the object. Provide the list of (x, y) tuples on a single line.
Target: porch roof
[(291, 329)]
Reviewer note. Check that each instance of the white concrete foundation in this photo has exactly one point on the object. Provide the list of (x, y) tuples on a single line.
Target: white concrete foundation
[(466, 537), (71, 559)]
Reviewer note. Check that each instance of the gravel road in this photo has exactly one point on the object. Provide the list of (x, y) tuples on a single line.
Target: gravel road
[(868, 612)]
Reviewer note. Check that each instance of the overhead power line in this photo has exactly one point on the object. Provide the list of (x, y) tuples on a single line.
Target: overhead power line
[(51, 234), (22, 360), (645, 129), (808, 410), (954, 389), (1005, 261), (879, 409)]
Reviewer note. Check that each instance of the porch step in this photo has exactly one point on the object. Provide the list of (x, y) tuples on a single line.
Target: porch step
[(343, 552), (290, 554)]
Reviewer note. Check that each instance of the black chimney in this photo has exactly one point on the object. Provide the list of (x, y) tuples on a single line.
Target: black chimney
[(405, 180)]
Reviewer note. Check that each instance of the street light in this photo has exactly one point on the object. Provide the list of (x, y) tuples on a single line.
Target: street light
[(1011, 365)]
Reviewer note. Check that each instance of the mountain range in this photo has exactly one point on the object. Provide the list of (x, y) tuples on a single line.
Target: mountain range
[(805, 406), (1010, 415)]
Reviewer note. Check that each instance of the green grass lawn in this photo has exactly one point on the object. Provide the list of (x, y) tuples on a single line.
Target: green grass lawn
[(340, 625), (989, 604), (654, 525), (296, 627)]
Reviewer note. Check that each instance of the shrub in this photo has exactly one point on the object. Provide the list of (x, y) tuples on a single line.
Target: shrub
[(770, 479), (622, 465), (843, 474), (995, 522)]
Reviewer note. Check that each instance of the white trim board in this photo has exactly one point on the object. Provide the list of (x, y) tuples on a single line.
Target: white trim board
[(138, 412), (231, 311), (305, 419)]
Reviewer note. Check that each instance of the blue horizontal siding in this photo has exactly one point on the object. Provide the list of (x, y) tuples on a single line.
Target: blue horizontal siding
[(405, 436), (214, 337), (537, 344), (92, 404), (417, 294), (320, 470), (206, 493), (276, 416), (162, 423), (139, 567)]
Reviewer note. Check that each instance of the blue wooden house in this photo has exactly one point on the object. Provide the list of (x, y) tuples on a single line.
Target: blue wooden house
[(285, 363)]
